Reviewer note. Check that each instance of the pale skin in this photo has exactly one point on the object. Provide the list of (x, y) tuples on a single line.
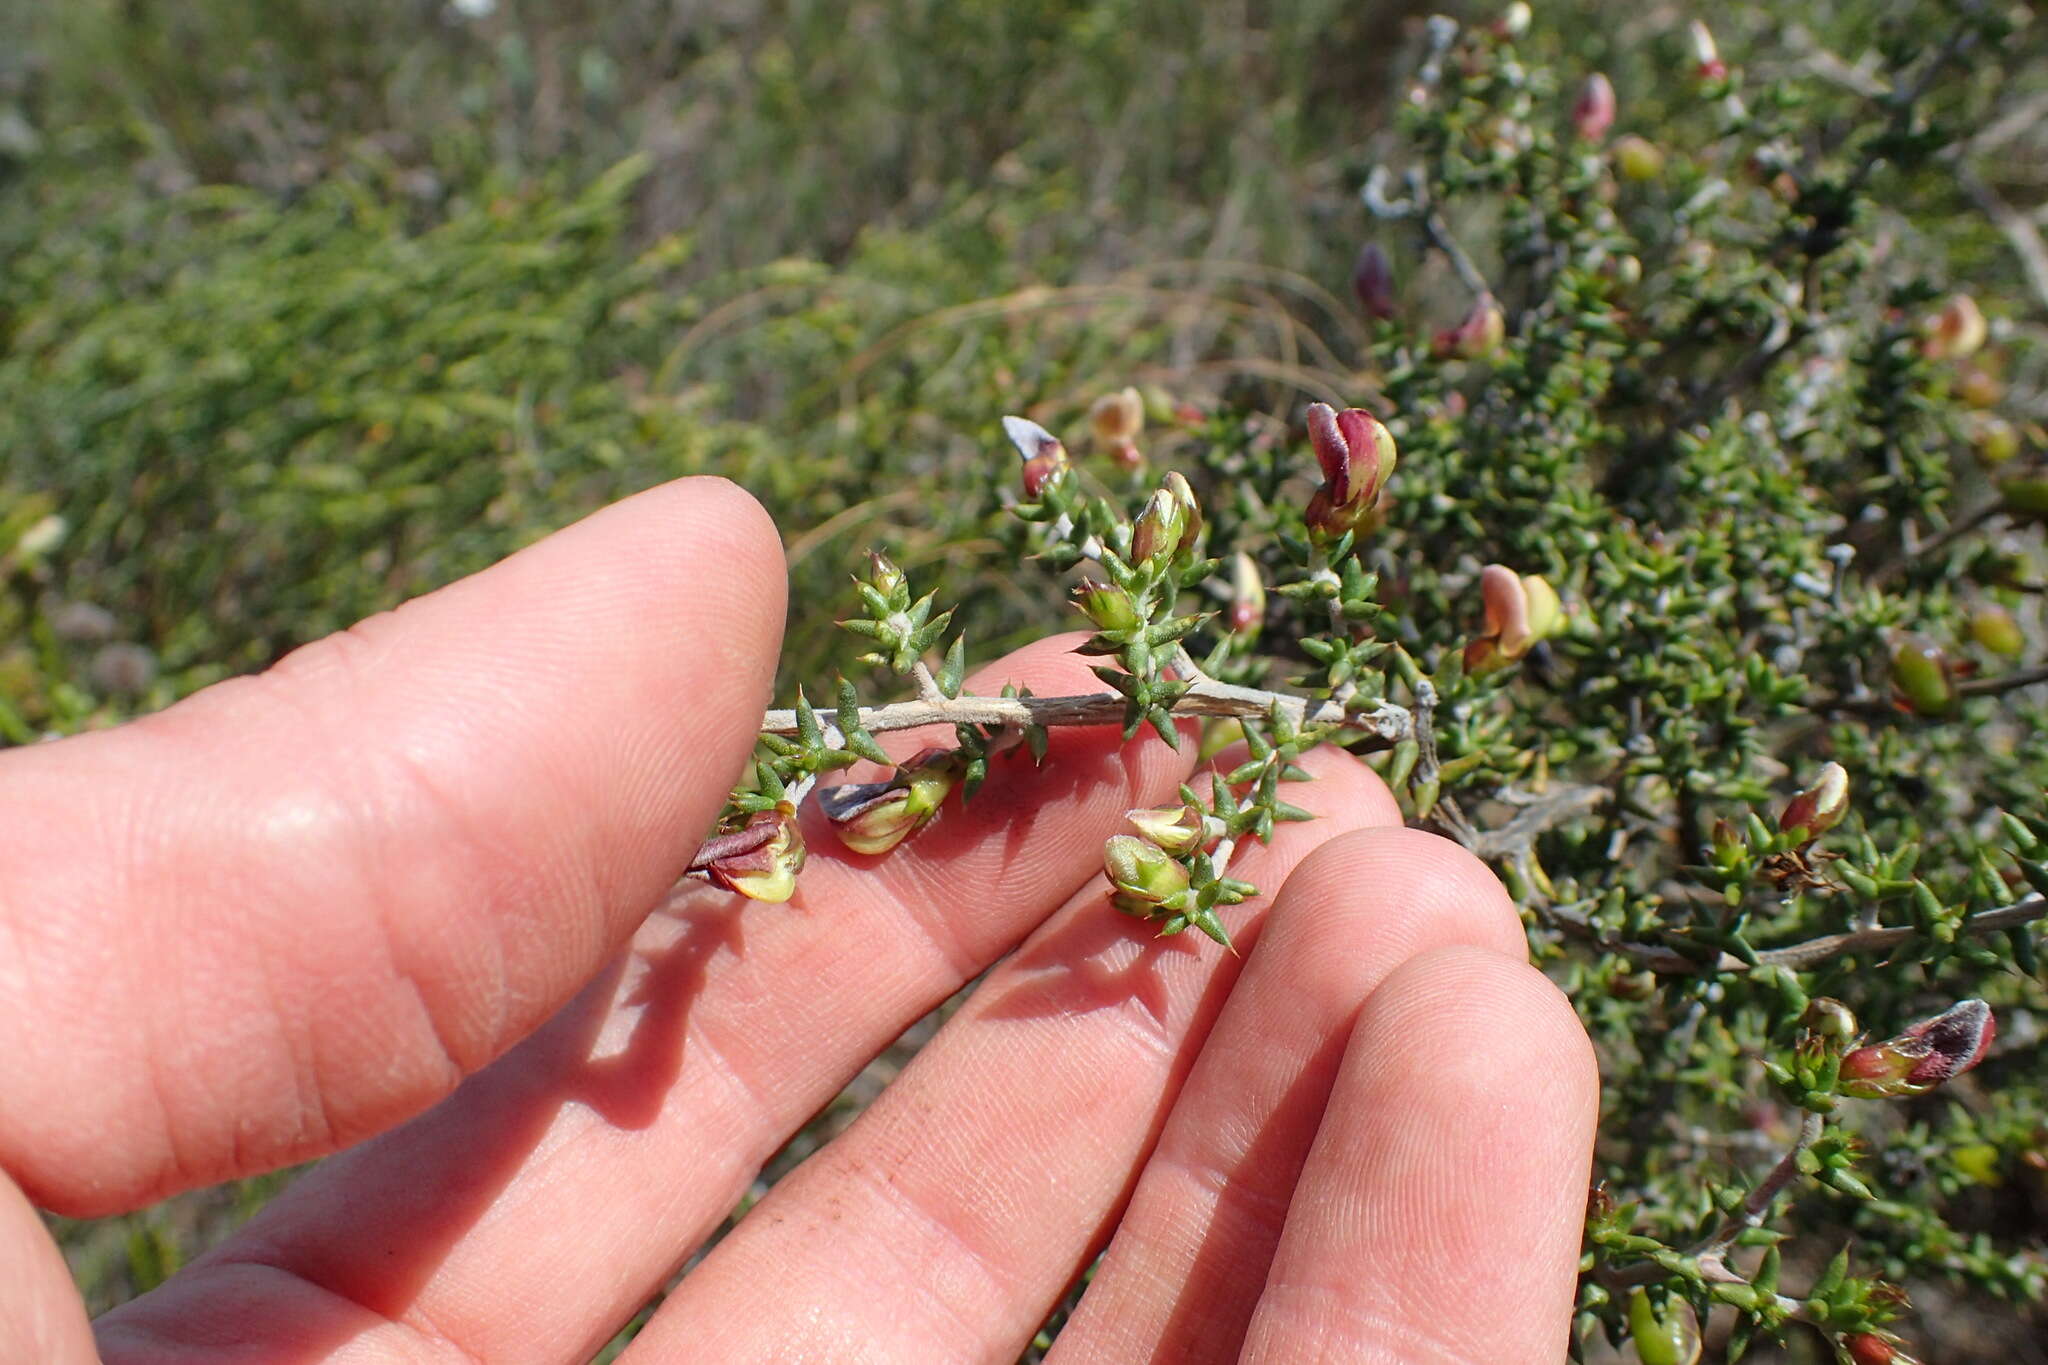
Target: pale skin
[(391, 901)]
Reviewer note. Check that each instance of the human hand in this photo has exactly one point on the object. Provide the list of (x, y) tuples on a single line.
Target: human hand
[(393, 897)]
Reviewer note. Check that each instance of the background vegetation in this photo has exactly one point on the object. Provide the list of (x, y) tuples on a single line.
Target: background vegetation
[(307, 308)]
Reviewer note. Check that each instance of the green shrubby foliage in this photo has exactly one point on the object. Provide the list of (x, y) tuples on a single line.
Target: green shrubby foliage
[(1701, 365)]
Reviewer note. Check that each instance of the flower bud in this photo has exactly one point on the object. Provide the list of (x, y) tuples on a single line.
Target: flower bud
[(1247, 610), (1706, 53), (1869, 1348), (874, 817), (759, 861), (1955, 330), (1169, 523), (1921, 673), (1372, 281), (884, 576), (1177, 830), (1979, 388), (1638, 158), (1514, 20), (1820, 807), (1993, 627), (1668, 1338), (2026, 495), (1045, 459), (1141, 871), (1110, 608), (1521, 609), (1996, 439), (1357, 455), (1924, 1056), (123, 668), (1593, 110), (1829, 1018), (1478, 336), (1116, 419)]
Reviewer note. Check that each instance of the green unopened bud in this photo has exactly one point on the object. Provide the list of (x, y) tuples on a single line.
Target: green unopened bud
[(1169, 523), (759, 861), (1993, 627), (1820, 807), (1141, 871), (2026, 496), (1638, 158), (1926, 1055), (1670, 1337), (1996, 440), (884, 576), (1829, 1018), (1110, 608), (1177, 830), (1521, 609), (1923, 677)]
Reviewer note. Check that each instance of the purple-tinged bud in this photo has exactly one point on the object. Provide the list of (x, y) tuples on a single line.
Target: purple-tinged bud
[(1247, 609), (1478, 336), (1829, 1018), (1924, 677), (1955, 330), (760, 861), (1045, 459), (1108, 607), (87, 622), (1177, 830), (1993, 627), (1706, 53), (1638, 158), (1820, 807), (1141, 871), (1926, 1055), (1869, 1348), (1357, 454), (1671, 1337), (1520, 609), (1593, 110), (1372, 281), (123, 668), (874, 817)]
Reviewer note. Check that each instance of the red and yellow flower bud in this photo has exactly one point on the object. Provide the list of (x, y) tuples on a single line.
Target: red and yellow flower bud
[(1478, 336), (874, 817), (1820, 807), (1356, 454), (1706, 53), (1957, 329), (1593, 110), (1521, 609), (1177, 830), (1870, 1348), (1116, 419), (1045, 458), (1926, 1055), (760, 861)]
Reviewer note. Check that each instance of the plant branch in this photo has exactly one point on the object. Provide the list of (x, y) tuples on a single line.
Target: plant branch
[(1206, 697), (1758, 1204)]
